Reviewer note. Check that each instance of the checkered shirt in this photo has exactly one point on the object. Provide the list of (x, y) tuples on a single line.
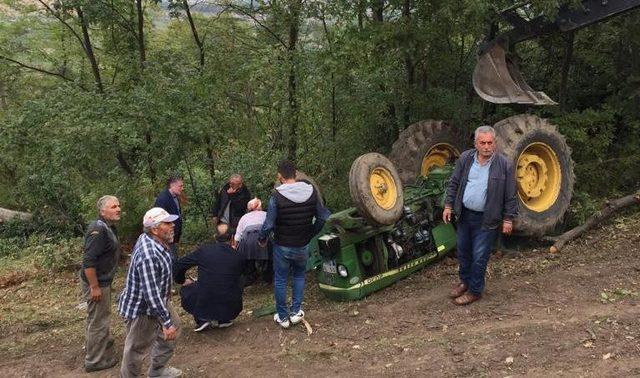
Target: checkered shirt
[(148, 284)]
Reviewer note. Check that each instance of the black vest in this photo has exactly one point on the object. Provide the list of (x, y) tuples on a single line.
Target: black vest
[(294, 223)]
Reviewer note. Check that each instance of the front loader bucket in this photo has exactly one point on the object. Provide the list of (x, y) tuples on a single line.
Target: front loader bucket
[(497, 79)]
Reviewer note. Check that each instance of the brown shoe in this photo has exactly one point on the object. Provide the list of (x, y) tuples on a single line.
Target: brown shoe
[(466, 298), (458, 290)]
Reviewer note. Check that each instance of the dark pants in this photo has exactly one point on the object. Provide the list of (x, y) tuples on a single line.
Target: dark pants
[(474, 249), (188, 298)]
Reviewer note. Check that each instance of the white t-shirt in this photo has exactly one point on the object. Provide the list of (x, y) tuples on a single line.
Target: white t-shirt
[(250, 219)]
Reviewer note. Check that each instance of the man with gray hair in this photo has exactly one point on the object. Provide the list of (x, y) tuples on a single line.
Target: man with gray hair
[(145, 303), (99, 265), (482, 196)]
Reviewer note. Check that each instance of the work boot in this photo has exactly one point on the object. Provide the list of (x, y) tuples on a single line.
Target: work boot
[(458, 290), (169, 372), (108, 364)]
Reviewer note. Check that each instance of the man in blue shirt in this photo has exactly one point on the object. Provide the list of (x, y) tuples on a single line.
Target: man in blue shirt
[(482, 196), (295, 215), (150, 320)]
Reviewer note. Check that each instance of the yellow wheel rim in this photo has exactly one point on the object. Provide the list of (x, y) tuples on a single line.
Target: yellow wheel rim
[(383, 188), (438, 156), (539, 177)]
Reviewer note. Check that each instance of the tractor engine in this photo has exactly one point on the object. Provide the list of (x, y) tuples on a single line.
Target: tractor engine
[(411, 237)]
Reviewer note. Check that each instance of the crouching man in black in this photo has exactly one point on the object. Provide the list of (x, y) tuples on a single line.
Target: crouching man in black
[(215, 298)]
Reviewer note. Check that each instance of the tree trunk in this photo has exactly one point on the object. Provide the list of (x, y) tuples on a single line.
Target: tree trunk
[(566, 65), (6, 214), (88, 48), (124, 164), (141, 47), (607, 210), (150, 163), (194, 32), (294, 20), (409, 67)]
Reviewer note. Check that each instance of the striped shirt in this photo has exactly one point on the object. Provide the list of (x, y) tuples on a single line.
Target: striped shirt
[(148, 284)]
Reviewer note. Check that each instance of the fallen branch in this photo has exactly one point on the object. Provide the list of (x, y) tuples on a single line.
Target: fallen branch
[(6, 214), (609, 208)]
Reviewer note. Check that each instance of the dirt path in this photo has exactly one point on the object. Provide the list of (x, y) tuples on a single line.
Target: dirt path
[(573, 314)]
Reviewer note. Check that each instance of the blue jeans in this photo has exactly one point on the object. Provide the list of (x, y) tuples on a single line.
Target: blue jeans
[(474, 249), (289, 260)]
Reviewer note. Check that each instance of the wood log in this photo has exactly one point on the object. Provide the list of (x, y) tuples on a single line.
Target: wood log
[(607, 210), (6, 214)]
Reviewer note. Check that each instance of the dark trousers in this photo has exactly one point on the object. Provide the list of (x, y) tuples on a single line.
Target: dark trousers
[(188, 298), (474, 249)]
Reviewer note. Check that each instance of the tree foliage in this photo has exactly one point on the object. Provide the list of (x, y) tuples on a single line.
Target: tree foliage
[(109, 96)]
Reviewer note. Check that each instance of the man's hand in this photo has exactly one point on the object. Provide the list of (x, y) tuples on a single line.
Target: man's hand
[(446, 215), (232, 190), (262, 243), (187, 282), (170, 333), (96, 294), (507, 227)]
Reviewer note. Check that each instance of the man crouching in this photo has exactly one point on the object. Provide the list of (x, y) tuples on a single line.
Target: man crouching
[(215, 299)]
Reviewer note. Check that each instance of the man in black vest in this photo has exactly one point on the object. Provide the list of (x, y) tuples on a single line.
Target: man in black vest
[(293, 207)]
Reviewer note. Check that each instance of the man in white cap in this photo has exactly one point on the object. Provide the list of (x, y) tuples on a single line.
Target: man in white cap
[(150, 319)]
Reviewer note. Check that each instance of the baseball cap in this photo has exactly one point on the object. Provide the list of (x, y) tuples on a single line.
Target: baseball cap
[(156, 216)]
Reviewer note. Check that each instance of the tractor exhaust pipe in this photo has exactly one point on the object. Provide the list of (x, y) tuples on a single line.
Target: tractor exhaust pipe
[(497, 79)]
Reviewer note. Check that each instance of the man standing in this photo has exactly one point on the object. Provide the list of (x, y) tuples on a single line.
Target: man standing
[(215, 299), (144, 302), (169, 199), (293, 206), (231, 203), (99, 264), (482, 195)]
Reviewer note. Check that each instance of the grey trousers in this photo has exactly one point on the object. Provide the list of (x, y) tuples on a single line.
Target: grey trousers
[(145, 332), (98, 340)]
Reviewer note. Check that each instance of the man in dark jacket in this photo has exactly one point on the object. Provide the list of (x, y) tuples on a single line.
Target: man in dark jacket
[(99, 264), (231, 203), (295, 215), (482, 195), (215, 299), (169, 200)]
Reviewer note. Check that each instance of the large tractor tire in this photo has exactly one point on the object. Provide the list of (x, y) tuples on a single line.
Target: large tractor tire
[(423, 146), (376, 189), (543, 169)]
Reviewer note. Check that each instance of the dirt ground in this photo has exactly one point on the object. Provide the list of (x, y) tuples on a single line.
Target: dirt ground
[(571, 314)]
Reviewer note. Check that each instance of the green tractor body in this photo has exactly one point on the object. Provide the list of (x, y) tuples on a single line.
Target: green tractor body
[(354, 258)]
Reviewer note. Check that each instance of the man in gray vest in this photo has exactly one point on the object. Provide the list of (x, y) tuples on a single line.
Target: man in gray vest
[(293, 207), (482, 196), (99, 264)]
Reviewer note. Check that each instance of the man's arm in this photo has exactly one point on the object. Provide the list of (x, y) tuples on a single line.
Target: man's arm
[(94, 247), (270, 221), (322, 214), (152, 292), (183, 264), (452, 191), (510, 212)]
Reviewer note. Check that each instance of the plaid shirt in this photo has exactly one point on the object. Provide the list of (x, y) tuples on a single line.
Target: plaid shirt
[(148, 284)]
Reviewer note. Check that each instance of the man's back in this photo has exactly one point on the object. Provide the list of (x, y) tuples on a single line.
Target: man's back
[(219, 294)]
